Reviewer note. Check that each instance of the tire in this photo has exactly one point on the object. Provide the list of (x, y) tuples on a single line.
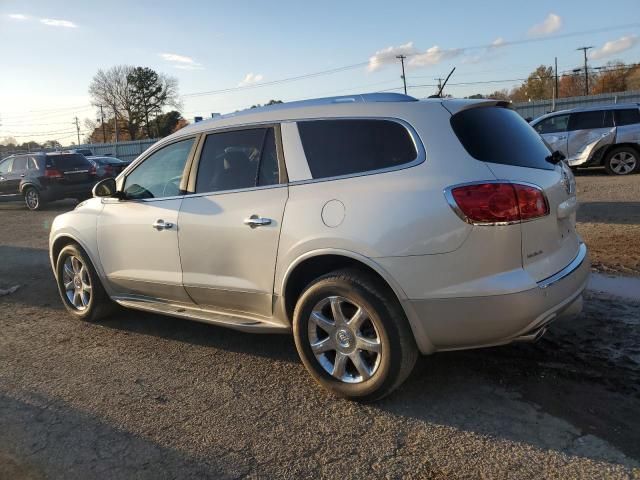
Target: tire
[(622, 161), (32, 198), (388, 351), (74, 269)]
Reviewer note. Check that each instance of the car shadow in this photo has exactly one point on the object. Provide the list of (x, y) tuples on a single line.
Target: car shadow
[(625, 213), (47, 438)]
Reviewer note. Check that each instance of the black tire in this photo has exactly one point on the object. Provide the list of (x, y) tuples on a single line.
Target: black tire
[(398, 351), (99, 305), (32, 198), (622, 161)]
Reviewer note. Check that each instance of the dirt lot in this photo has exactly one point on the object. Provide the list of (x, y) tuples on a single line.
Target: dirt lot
[(147, 396)]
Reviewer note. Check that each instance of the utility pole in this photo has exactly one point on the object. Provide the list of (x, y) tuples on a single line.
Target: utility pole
[(586, 71), (557, 95), (404, 79), (78, 129), (104, 135)]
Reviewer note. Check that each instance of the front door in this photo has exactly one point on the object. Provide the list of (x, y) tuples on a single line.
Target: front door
[(230, 226), (138, 235), (554, 132)]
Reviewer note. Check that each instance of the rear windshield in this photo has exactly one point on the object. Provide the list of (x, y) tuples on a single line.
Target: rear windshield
[(64, 162), (500, 135)]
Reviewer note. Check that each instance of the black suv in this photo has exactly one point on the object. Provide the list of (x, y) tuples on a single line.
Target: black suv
[(44, 177)]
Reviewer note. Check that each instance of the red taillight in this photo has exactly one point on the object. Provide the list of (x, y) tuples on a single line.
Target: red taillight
[(108, 171), (500, 202), (92, 170), (52, 173)]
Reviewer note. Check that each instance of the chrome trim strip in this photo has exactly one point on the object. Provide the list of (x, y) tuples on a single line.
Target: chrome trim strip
[(566, 271), (454, 206)]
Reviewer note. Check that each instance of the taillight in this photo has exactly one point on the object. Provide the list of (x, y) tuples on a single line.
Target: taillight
[(496, 202), (52, 173), (92, 170), (108, 171)]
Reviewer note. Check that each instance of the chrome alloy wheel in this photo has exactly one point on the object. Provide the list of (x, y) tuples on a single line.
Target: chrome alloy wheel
[(623, 163), (32, 199), (344, 339), (77, 283)]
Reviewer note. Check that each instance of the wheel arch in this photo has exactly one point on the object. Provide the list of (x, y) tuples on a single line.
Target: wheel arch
[(64, 239), (316, 263), (604, 152)]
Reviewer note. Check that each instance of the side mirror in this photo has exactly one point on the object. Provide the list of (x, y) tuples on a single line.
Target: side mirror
[(104, 188)]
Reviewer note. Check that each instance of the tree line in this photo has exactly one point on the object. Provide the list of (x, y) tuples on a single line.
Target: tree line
[(613, 77)]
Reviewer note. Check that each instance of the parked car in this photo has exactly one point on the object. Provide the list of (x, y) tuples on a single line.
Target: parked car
[(603, 135), (375, 227), (107, 166), (43, 177), (87, 152)]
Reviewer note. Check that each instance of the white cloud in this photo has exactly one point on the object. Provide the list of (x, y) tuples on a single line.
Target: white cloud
[(433, 56), (18, 16), (498, 42), (251, 78), (52, 22), (388, 55), (614, 47), (550, 25), (181, 62)]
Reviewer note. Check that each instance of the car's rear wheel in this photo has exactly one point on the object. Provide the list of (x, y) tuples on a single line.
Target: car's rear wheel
[(32, 198), (352, 336), (622, 161), (79, 285)]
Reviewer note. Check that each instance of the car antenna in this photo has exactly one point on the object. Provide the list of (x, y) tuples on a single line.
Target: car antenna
[(439, 94)]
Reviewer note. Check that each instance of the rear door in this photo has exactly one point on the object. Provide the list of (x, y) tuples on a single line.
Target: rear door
[(586, 128), (230, 228), (5, 168), (16, 174), (513, 151)]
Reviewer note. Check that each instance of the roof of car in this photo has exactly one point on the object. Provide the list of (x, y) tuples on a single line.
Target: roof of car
[(590, 108)]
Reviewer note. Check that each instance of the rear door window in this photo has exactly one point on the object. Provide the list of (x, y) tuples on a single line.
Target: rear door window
[(586, 120), (500, 135), (5, 166), (238, 159), (19, 164), (343, 147), (554, 124), (627, 116)]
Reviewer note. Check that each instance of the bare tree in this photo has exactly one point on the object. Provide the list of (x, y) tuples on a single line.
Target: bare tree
[(112, 88)]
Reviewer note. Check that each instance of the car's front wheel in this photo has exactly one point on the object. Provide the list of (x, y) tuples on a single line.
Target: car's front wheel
[(622, 161), (79, 285), (353, 336)]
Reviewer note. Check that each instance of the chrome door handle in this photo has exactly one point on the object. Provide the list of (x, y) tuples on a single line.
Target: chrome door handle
[(562, 138), (255, 221), (162, 225)]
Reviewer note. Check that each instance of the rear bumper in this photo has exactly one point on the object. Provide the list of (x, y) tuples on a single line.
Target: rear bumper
[(471, 322), (58, 192)]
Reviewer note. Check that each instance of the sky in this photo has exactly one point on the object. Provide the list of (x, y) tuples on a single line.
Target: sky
[(222, 52)]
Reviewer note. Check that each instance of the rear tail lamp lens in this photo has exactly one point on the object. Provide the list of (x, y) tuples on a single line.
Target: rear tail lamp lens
[(52, 173), (499, 202)]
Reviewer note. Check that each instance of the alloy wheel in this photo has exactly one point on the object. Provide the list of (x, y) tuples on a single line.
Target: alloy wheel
[(623, 162), (77, 283), (32, 198), (344, 339)]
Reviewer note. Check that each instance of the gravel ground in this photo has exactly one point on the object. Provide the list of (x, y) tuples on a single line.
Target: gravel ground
[(146, 396)]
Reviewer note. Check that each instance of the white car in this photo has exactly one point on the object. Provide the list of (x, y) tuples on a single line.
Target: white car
[(375, 227)]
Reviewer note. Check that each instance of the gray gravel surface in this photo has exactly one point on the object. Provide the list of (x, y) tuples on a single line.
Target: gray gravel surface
[(146, 396)]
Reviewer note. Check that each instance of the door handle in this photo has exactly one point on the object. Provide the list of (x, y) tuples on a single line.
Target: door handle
[(255, 221), (562, 137), (162, 225)]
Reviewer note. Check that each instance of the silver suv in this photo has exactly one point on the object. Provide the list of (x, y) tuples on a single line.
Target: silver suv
[(606, 136), (374, 227)]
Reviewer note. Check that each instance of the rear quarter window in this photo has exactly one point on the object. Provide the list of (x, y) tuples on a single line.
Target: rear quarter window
[(344, 147), (627, 116), (500, 135)]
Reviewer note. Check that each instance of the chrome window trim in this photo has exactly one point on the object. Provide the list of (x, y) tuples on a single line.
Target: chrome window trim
[(237, 190), (421, 154), (454, 206), (566, 271)]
